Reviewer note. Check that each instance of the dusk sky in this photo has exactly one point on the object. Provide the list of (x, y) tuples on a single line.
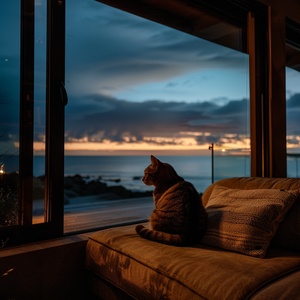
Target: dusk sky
[(144, 86), (136, 85)]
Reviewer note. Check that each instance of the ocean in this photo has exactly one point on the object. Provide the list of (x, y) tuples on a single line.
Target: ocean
[(128, 170)]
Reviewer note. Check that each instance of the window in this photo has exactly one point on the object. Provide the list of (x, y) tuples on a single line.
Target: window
[(163, 92), (33, 102), (292, 112), (39, 113), (10, 115), (33, 96), (293, 98)]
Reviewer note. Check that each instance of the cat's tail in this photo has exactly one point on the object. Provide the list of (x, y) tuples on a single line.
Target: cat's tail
[(161, 237)]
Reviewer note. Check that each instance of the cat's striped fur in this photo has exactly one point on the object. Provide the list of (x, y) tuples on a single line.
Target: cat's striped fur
[(179, 217)]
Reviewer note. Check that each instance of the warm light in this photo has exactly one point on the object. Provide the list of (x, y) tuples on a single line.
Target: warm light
[(7, 272), (2, 169), (185, 141), (149, 143)]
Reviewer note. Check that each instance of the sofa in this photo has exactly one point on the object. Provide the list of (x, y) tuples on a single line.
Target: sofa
[(250, 250)]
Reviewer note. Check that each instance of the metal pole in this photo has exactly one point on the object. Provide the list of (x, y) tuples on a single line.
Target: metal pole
[(211, 147)]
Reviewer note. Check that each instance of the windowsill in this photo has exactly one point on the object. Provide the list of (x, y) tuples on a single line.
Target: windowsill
[(50, 269), (46, 244), (70, 239)]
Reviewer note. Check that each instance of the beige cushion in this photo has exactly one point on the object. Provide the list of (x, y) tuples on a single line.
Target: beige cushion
[(245, 221), (288, 234), (149, 270)]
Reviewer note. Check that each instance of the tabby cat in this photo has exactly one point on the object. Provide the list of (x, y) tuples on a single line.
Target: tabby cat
[(179, 217)]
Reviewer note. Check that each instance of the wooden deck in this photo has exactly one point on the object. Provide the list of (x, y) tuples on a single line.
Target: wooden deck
[(85, 213), (106, 213)]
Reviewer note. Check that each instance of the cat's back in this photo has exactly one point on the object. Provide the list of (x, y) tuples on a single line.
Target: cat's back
[(180, 210), (181, 197)]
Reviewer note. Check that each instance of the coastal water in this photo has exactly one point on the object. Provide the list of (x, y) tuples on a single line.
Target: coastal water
[(128, 170)]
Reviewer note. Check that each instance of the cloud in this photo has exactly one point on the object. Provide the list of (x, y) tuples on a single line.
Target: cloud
[(292, 115), (150, 52), (107, 118), (206, 122), (109, 52), (293, 102)]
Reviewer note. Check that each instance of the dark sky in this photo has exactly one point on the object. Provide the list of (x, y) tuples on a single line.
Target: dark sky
[(134, 82)]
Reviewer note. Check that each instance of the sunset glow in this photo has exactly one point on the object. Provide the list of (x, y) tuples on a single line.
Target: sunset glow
[(156, 144), (148, 146)]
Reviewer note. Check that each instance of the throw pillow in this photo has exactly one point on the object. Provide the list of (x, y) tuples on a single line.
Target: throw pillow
[(245, 221)]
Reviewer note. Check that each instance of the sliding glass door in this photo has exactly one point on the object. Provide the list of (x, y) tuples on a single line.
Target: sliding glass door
[(10, 113), (293, 98), (138, 87), (32, 99)]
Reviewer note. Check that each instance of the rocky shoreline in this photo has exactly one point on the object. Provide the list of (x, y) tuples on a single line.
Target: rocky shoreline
[(77, 186)]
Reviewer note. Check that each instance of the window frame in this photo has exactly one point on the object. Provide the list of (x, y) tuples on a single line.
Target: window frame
[(26, 112), (56, 99)]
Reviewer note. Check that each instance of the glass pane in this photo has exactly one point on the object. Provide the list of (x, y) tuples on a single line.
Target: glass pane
[(231, 153), (9, 111), (39, 111), (137, 88), (293, 124)]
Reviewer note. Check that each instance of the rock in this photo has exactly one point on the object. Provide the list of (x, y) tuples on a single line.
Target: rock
[(75, 183), (76, 186), (95, 187), (120, 191), (116, 180)]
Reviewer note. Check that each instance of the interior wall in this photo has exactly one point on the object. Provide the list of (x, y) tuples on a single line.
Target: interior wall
[(47, 270), (289, 8)]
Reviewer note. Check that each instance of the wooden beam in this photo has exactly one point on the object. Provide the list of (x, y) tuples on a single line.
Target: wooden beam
[(277, 92)]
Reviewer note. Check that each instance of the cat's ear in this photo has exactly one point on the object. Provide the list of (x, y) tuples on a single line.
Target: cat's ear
[(154, 160)]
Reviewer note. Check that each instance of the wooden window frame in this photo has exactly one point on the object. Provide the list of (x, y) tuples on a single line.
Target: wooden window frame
[(56, 99)]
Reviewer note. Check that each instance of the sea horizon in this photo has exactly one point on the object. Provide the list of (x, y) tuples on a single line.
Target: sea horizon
[(127, 170)]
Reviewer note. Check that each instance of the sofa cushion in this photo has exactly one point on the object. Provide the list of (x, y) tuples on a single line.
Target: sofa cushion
[(149, 270), (245, 221), (288, 234), (282, 289)]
